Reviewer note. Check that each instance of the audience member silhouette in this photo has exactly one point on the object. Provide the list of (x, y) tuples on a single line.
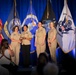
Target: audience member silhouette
[(42, 61), (51, 69), (5, 57)]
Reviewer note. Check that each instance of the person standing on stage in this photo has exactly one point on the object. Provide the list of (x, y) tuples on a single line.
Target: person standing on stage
[(26, 36), (15, 44), (40, 39), (52, 42)]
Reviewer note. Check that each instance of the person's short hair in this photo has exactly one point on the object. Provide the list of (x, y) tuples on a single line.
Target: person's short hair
[(51, 69), (24, 26), (15, 27), (4, 43), (42, 61), (43, 58), (40, 22), (54, 24)]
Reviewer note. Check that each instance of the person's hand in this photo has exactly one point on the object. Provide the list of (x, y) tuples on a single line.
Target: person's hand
[(11, 52), (48, 40), (19, 41), (43, 43), (10, 47), (24, 38), (35, 44), (20, 38), (49, 44)]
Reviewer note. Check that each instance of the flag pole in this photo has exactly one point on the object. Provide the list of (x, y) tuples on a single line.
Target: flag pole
[(14, 8), (66, 11), (14, 12), (47, 9), (31, 8)]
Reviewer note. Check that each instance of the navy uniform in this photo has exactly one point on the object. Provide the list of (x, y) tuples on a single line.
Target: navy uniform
[(26, 48), (15, 47), (53, 45), (40, 38)]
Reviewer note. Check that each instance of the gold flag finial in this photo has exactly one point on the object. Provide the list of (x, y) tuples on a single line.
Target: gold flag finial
[(30, 2), (31, 8), (15, 8), (47, 9), (15, 3)]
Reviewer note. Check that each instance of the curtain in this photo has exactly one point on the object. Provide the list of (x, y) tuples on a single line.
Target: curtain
[(39, 7)]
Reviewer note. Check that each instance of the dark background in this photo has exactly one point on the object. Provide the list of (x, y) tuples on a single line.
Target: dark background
[(39, 7)]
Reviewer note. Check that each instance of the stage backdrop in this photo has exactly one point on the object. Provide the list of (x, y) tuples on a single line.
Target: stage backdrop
[(39, 7), (22, 7)]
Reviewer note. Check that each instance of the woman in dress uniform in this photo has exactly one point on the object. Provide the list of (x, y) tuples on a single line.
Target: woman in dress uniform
[(52, 42), (26, 36), (15, 44), (40, 39)]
